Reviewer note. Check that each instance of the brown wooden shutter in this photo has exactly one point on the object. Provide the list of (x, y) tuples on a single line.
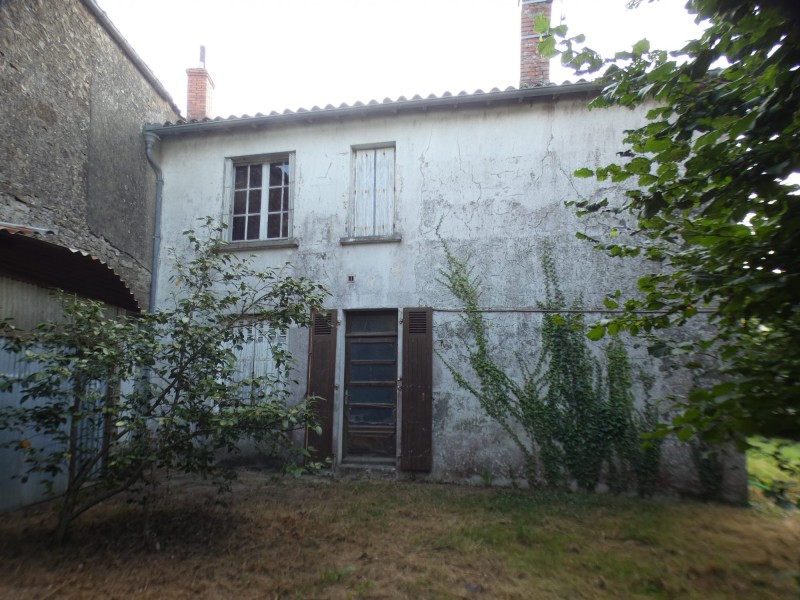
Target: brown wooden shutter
[(416, 420), (321, 378)]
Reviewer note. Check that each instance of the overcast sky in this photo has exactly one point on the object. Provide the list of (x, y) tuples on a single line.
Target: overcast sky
[(275, 54)]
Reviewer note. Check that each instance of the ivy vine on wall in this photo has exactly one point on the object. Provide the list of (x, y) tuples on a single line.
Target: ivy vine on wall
[(572, 415)]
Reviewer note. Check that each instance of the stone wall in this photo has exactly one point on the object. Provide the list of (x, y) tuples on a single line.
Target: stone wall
[(72, 153)]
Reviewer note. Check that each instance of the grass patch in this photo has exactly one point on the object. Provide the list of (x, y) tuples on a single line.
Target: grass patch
[(328, 539), (774, 471)]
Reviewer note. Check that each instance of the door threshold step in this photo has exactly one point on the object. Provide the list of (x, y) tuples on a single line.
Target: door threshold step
[(366, 465), (369, 461), (366, 470)]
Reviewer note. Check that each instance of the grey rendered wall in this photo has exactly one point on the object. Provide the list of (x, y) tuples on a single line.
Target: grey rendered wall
[(71, 154), (493, 182)]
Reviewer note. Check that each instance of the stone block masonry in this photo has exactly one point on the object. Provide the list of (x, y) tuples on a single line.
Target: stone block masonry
[(72, 152)]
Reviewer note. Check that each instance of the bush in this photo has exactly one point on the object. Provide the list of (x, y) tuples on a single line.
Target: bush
[(162, 390)]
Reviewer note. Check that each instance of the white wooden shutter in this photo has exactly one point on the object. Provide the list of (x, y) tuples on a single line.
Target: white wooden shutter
[(255, 358), (364, 201), (373, 182), (384, 191)]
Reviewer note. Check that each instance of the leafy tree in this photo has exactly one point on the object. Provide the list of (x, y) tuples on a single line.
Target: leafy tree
[(713, 191), (163, 387)]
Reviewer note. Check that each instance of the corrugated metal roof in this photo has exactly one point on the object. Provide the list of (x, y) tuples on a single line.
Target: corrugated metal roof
[(24, 229), (26, 256), (388, 106)]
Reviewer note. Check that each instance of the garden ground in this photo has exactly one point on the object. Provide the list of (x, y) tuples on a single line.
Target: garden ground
[(338, 538)]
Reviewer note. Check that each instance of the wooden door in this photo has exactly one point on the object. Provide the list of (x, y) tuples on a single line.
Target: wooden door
[(370, 398)]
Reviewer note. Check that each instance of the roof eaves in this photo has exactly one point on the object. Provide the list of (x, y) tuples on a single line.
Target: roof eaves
[(25, 229), (375, 108)]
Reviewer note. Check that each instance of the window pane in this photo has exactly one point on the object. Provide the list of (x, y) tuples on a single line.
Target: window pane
[(285, 225), (279, 174), (255, 176), (239, 203), (371, 416), (373, 372), (238, 228), (373, 351), (255, 202), (275, 200), (252, 227), (372, 395), (372, 322), (274, 226), (241, 177)]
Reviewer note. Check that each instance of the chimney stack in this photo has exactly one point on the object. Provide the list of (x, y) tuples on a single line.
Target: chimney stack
[(533, 68), (199, 89)]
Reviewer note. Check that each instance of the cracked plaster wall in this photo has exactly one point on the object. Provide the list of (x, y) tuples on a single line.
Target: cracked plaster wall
[(72, 153), (494, 180)]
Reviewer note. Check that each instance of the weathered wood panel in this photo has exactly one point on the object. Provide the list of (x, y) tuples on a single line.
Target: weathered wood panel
[(416, 437)]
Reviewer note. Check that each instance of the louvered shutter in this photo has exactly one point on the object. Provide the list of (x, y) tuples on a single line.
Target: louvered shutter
[(321, 380), (416, 440)]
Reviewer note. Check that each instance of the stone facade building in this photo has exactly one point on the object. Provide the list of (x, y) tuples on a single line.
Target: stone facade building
[(72, 158), (77, 195)]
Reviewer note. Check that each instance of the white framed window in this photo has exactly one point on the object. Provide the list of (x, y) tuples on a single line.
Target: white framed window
[(262, 199), (373, 191)]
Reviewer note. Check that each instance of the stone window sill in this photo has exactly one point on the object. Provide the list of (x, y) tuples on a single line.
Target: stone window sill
[(260, 245), (371, 239)]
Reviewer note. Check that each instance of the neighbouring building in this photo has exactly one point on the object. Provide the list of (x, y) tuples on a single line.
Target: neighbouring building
[(74, 98), (361, 198), (77, 195)]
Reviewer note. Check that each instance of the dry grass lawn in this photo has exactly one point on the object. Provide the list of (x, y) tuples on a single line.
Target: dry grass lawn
[(322, 538)]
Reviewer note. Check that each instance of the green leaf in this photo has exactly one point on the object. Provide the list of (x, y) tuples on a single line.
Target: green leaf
[(639, 165), (596, 333), (541, 23), (641, 47), (706, 139), (547, 48), (647, 180), (583, 172), (655, 145)]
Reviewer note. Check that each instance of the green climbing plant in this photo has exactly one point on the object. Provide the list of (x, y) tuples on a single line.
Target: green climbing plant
[(572, 415)]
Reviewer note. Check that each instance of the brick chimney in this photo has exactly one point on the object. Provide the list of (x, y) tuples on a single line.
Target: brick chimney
[(199, 90), (533, 68)]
